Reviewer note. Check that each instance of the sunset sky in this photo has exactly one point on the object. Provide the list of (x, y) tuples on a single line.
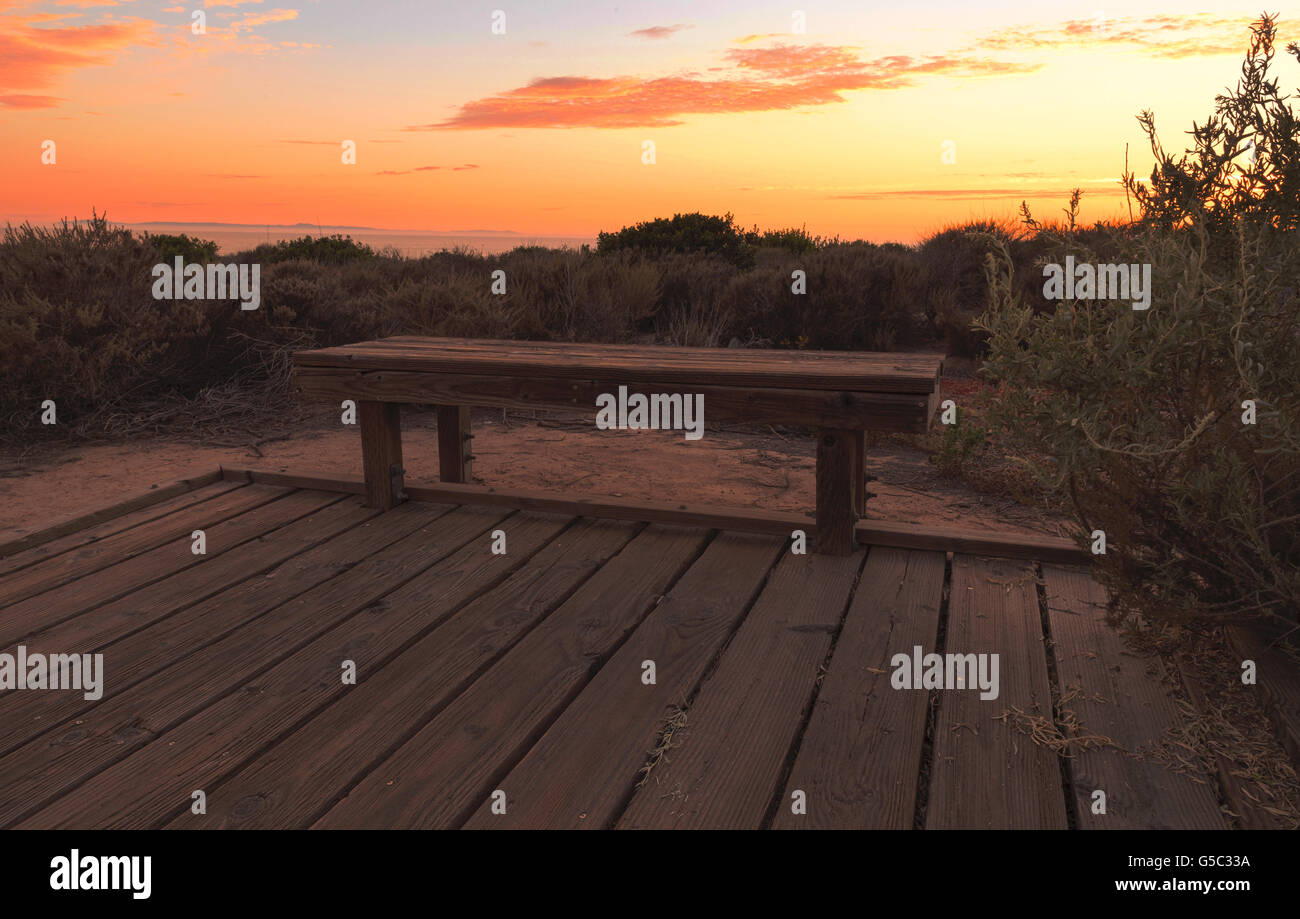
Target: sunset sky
[(841, 128)]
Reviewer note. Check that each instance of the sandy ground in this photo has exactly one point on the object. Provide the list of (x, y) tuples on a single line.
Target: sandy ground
[(772, 471)]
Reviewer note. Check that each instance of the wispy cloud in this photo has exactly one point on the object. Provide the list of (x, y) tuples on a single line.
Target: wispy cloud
[(32, 58), (404, 172), (973, 194), (660, 32), (779, 77), (253, 20), (27, 101), (1185, 35)]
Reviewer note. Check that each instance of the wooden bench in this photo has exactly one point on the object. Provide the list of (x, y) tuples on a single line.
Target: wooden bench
[(839, 394)]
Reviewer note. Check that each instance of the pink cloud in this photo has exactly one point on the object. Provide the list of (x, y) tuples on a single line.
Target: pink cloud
[(779, 77), (660, 32)]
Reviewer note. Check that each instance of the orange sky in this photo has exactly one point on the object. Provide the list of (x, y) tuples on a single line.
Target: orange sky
[(842, 127)]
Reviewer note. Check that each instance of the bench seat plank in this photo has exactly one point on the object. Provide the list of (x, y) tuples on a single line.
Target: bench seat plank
[(896, 412), (817, 370)]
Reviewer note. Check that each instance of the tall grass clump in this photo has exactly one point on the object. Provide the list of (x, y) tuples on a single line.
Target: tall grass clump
[(1140, 416)]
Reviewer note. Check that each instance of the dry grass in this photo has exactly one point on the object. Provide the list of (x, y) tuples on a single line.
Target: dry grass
[(672, 725), (1062, 735), (1225, 729)]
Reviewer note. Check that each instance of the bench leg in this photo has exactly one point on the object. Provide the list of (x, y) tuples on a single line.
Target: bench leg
[(381, 452), (455, 461), (859, 472), (835, 491)]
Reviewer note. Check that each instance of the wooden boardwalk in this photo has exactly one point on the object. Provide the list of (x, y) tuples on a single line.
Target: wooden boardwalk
[(528, 673)]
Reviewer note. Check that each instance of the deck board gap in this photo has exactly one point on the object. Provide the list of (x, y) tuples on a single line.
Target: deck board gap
[(792, 754), (925, 765), (1054, 682)]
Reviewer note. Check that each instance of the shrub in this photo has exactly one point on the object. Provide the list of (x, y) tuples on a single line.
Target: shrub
[(192, 249), (329, 250), (793, 240), (684, 233), (956, 291), (1138, 415), (79, 324)]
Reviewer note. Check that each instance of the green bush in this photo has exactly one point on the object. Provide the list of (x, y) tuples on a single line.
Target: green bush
[(79, 324), (796, 240), (1138, 416), (192, 249), (328, 250), (684, 233)]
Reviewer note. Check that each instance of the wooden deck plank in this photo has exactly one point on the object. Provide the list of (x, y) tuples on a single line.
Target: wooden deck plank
[(311, 770), (844, 370), (160, 625), (174, 528), (483, 731), (583, 769), (858, 762), (522, 673), (986, 774), (302, 775), (1115, 694), (215, 742), (122, 579), (109, 527), (71, 525), (1248, 810), (1276, 679), (387, 590), (899, 535), (740, 729)]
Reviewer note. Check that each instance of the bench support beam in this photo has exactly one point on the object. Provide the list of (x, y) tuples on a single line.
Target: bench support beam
[(859, 472), (455, 458), (836, 492), (381, 452)]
